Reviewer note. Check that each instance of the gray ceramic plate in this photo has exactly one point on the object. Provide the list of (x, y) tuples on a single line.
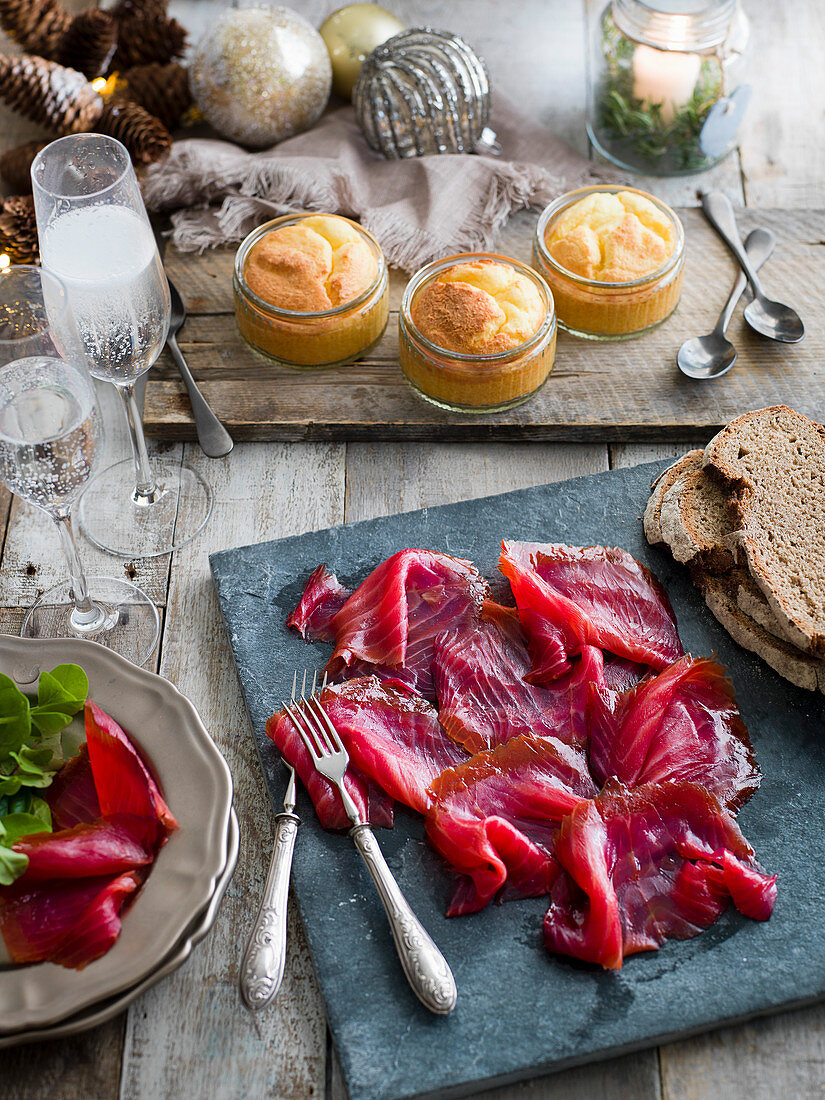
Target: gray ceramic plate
[(99, 1014), (197, 785)]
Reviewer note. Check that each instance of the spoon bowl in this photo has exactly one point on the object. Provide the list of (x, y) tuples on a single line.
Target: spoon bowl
[(774, 320), (706, 356)]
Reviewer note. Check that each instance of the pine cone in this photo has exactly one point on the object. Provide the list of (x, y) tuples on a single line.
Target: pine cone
[(140, 9), (163, 90), (59, 98), (89, 42), (37, 25), (146, 34), (18, 230), (16, 164), (146, 138)]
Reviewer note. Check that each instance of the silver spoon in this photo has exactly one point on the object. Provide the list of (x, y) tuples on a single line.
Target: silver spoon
[(213, 437), (769, 318), (713, 355)]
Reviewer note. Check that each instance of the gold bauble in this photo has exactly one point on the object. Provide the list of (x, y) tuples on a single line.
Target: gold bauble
[(350, 34)]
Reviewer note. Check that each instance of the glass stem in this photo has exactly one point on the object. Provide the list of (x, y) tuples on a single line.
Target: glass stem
[(86, 617), (145, 487)]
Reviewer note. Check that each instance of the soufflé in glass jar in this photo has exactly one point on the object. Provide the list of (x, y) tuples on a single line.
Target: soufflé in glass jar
[(613, 258), (477, 332), (311, 290)]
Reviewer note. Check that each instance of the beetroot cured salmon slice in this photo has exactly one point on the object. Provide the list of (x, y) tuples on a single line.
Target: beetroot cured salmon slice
[(645, 865), (72, 797), (393, 736), (494, 818), (483, 697), (71, 922), (389, 624), (122, 780), (323, 598), (106, 847), (571, 596), (682, 725), (373, 804)]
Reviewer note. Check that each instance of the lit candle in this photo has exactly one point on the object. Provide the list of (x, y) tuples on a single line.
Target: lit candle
[(666, 77)]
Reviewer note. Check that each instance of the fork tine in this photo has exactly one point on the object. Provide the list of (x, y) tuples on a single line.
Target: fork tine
[(301, 725), (331, 731), (309, 712), (294, 683)]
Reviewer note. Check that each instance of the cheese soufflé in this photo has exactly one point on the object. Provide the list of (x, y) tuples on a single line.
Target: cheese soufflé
[(311, 290), (477, 331), (613, 258)]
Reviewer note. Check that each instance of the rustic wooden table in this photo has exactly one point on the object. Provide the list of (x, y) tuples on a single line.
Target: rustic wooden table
[(190, 1036)]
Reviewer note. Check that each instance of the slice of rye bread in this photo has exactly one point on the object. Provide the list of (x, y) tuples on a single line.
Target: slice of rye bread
[(800, 668), (653, 511), (694, 521), (773, 463)]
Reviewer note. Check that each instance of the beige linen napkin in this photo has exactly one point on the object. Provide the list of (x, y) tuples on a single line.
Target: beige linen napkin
[(420, 209)]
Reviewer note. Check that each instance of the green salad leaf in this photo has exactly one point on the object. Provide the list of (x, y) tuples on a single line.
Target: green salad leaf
[(30, 755)]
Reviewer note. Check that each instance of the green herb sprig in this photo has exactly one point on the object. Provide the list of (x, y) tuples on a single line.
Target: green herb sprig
[(30, 754)]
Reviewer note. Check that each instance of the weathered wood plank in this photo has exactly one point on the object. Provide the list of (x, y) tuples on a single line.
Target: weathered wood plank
[(616, 391), (190, 1035), (783, 154)]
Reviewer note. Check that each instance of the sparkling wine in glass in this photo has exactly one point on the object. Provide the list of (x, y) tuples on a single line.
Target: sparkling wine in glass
[(50, 436), (96, 237)]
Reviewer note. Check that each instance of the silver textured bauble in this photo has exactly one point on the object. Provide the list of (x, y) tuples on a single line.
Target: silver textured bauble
[(425, 91), (260, 74)]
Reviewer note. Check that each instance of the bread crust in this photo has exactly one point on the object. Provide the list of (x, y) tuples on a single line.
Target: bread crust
[(770, 550), (653, 510), (694, 524)]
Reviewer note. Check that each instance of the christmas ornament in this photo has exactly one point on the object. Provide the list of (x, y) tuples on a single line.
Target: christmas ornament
[(350, 34), (424, 91), (146, 34), (16, 164), (59, 98), (145, 136), (260, 74), (18, 230), (162, 90)]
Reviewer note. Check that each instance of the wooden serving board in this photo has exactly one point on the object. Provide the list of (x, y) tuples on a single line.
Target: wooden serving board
[(520, 1010), (623, 391)]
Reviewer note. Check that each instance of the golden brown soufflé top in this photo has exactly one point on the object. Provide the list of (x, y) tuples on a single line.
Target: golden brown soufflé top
[(314, 265), (479, 308), (612, 238)]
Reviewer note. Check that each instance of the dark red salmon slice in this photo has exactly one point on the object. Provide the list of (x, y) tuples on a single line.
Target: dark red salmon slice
[(482, 694), (571, 596), (323, 598), (70, 922), (681, 725), (494, 818), (105, 847), (645, 865)]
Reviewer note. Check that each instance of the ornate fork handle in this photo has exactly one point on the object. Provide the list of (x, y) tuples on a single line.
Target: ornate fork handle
[(426, 968), (262, 968)]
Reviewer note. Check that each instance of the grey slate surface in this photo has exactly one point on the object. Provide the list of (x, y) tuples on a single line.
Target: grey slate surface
[(520, 1011)]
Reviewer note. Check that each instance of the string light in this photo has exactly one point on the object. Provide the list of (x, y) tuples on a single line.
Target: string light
[(5, 262)]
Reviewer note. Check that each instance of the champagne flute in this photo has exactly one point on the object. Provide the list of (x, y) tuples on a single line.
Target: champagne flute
[(96, 237), (50, 436)]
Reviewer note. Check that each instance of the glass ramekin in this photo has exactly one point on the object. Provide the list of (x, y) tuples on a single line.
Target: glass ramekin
[(475, 383), (329, 338), (599, 310)]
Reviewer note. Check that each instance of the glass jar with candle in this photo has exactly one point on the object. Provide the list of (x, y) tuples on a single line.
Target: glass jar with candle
[(666, 90)]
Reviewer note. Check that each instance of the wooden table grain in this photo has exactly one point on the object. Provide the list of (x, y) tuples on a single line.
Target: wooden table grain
[(190, 1036)]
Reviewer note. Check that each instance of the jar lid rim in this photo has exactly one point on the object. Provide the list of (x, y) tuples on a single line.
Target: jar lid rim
[(677, 25)]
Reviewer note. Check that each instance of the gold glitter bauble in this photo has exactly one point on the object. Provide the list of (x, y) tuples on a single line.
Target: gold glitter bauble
[(260, 74), (350, 34)]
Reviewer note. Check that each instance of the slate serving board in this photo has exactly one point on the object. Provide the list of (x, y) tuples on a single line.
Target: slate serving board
[(520, 1011)]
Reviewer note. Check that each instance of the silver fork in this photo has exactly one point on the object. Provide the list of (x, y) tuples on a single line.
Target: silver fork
[(425, 967)]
